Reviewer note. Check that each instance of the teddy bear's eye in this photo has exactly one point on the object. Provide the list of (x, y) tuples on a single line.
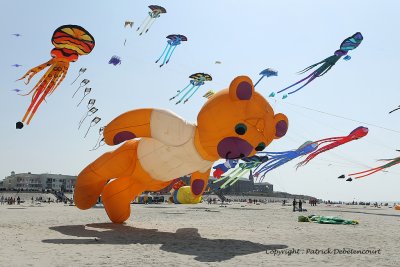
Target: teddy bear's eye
[(240, 129), (260, 147)]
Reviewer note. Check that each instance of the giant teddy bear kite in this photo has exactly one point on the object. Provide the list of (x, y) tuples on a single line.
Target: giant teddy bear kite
[(160, 146)]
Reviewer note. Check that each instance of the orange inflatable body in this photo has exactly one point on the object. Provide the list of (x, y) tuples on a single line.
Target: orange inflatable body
[(397, 207), (160, 146)]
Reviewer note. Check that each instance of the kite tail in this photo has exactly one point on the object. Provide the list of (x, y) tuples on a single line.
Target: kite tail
[(188, 91), (151, 24), (162, 53), (181, 91), (143, 22), (314, 154), (310, 80), (258, 81), (145, 26), (296, 83), (194, 91), (30, 73), (310, 67), (366, 172), (325, 71), (171, 54), (37, 99), (166, 55)]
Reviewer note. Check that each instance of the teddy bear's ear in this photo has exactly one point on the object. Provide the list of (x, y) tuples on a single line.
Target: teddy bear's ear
[(241, 88), (281, 125)]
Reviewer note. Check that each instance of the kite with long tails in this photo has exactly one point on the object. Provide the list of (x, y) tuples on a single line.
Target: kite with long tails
[(85, 93), (266, 73), (197, 80), (128, 24), (155, 13), (244, 168), (81, 71), (100, 140), (83, 83), (333, 142), (277, 159), (173, 41), (93, 123), (391, 163), (347, 45), (70, 41)]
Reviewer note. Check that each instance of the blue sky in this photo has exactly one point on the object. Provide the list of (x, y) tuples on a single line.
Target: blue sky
[(247, 37)]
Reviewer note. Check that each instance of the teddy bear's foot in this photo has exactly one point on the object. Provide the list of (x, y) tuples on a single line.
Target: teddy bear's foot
[(117, 197)]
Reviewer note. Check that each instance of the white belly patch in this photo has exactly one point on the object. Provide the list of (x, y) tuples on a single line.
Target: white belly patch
[(166, 163)]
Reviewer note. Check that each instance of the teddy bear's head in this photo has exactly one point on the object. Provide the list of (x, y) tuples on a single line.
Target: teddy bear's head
[(237, 122)]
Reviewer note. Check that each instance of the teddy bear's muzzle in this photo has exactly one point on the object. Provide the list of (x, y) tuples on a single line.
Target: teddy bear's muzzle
[(234, 148)]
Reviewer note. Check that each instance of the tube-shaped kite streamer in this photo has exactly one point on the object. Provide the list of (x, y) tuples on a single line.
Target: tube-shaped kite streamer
[(244, 168), (333, 142), (391, 162), (277, 159), (348, 44), (70, 41)]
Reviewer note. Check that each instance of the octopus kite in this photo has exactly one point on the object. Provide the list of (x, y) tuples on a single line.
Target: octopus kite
[(277, 159), (348, 44), (333, 142), (155, 13), (173, 41), (70, 41), (196, 81), (391, 162)]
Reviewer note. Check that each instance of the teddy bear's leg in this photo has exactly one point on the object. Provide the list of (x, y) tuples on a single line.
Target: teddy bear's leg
[(117, 196), (93, 178)]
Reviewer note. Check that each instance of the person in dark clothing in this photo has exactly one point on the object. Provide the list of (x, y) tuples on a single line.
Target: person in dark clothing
[(294, 205), (300, 205)]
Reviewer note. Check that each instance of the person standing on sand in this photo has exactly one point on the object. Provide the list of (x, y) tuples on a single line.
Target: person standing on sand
[(294, 205), (300, 205)]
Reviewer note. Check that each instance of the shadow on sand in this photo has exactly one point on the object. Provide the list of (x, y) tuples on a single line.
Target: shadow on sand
[(186, 241)]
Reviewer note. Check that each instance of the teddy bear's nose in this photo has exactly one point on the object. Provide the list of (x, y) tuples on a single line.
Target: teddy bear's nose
[(233, 148)]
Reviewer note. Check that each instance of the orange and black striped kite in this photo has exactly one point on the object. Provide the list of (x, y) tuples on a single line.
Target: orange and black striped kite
[(70, 41)]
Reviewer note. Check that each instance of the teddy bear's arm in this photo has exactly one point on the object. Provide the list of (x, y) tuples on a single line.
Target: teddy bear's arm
[(162, 125)]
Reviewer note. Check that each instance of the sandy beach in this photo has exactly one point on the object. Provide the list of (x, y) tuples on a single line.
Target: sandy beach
[(196, 235)]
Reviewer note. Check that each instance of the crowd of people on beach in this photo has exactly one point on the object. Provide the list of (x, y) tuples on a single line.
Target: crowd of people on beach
[(10, 200)]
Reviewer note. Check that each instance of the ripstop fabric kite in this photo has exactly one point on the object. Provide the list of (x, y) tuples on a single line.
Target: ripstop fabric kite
[(159, 146), (70, 41), (347, 45)]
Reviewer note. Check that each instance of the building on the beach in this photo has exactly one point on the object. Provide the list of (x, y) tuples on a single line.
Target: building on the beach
[(242, 186), (38, 182)]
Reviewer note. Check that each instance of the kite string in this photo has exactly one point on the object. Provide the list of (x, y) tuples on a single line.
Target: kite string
[(341, 117)]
